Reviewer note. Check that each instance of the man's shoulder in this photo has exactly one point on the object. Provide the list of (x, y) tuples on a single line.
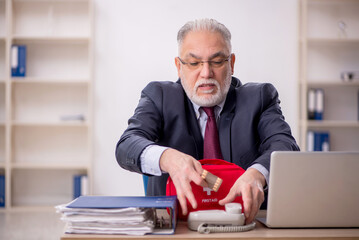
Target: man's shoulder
[(164, 91), (255, 85), (163, 86)]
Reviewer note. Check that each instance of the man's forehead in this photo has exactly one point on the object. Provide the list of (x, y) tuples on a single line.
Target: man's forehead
[(199, 43)]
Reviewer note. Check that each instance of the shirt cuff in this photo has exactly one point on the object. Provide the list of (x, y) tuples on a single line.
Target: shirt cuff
[(262, 170), (150, 159)]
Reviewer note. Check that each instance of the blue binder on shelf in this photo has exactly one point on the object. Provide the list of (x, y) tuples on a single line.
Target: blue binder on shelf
[(321, 142), (164, 203), (18, 60), (2, 190), (79, 185)]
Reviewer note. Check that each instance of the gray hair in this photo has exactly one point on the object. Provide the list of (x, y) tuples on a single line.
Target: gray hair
[(204, 25)]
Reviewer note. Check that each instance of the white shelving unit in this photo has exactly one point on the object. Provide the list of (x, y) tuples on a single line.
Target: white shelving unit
[(40, 148), (326, 50)]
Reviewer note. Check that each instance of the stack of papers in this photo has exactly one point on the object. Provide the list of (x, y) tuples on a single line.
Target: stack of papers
[(120, 215), (131, 221)]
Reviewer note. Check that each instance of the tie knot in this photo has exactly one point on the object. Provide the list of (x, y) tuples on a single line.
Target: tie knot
[(209, 111)]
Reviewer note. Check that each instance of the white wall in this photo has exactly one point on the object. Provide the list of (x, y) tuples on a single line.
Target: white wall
[(135, 43)]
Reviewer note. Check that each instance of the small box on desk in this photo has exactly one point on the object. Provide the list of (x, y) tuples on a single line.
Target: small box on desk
[(120, 215)]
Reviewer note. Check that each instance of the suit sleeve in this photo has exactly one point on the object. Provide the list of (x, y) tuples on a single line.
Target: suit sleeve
[(144, 129), (274, 132)]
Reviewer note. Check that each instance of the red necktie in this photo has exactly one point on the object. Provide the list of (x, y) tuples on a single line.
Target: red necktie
[(211, 147)]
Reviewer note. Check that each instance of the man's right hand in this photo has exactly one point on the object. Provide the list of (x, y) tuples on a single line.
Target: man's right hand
[(183, 169)]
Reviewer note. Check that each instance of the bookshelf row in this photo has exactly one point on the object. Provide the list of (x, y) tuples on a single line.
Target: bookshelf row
[(46, 62), (60, 186)]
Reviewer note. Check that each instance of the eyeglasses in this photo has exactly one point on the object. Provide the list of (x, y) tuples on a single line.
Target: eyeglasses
[(193, 65)]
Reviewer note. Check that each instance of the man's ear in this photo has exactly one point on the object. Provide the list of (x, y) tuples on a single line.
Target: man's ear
[(178, 66), (233, 59)]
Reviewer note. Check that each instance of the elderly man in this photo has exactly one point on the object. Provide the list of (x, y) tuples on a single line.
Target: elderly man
[(169, 130)]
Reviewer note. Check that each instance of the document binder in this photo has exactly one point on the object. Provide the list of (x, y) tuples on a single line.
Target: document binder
[(80, 185), (319, 104), (311, 104), (318, 141), (165, 206), (315, 104), (18, 61), (2, 190)]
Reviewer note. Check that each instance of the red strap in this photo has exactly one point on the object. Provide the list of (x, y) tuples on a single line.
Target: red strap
[(215, 162)]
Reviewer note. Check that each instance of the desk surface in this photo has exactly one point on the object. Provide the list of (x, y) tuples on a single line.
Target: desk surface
[(260, 232)]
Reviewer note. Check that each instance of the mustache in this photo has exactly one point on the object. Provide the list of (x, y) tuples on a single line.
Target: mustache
[(206, 81)]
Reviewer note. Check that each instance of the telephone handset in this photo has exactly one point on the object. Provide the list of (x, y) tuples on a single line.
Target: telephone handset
[(230, 220)]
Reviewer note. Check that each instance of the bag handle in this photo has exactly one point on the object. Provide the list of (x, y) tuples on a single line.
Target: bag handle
[(215, 162)]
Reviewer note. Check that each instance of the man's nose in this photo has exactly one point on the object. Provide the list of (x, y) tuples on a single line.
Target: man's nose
[(206, 70)]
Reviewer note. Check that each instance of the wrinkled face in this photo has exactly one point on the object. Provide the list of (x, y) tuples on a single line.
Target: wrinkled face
[(205, 66)]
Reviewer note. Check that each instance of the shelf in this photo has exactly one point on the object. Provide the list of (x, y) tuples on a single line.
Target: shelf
[(336, 124), (328, 62), (73, 123), (54, 39), (69, 165), (36, 209), (50, 187), (332, 40), (48, 102), (332, 83), (323, 18), (52, 1), (51, 18), (50, 80), (37, 144), (61, 60)]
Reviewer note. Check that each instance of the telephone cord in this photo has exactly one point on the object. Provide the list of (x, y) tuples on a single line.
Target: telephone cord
[(208, 228)]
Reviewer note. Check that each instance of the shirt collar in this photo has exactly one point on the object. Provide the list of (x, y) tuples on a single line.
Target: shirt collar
[(217, 110)]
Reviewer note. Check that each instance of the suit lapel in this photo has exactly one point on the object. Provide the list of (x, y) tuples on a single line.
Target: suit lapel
[(194, 129), (225, 122)]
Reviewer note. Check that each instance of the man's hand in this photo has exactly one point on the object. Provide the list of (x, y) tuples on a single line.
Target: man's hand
[(183, 169), (250, 187)]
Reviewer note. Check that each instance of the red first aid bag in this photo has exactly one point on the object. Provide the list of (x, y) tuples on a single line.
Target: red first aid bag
[(207, 198)]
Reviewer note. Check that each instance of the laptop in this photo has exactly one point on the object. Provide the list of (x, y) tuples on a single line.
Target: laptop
[(313, 190)]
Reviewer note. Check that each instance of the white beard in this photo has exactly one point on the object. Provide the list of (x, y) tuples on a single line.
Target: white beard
[(208, 100)]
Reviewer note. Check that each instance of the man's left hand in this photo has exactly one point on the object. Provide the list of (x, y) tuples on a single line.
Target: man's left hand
[(250, 187)]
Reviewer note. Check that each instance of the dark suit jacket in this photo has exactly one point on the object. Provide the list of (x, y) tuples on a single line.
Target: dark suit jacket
[(251, 126)]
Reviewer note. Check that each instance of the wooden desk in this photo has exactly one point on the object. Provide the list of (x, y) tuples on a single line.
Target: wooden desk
[(260, 232)]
